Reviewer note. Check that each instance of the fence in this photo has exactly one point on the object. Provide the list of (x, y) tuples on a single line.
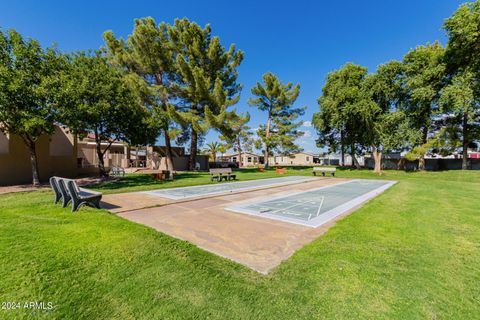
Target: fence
[(430, 164)]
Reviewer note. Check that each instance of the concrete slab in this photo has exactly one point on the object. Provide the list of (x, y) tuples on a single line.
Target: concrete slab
[(138, 200), (261, 244)]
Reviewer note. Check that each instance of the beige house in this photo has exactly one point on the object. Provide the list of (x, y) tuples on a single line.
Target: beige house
[(56, 155), (295, 159), (248, 158), (62, 154)]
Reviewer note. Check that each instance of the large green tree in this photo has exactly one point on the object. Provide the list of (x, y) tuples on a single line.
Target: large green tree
[(97, 98), (206, 78), (460, 101), (388, 128), (346, 111), (148, 53), (275, 98), (424, 74), (26, 73), (461, 96)]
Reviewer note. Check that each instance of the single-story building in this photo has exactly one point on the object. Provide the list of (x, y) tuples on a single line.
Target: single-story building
[(294, 159), (248, 158), (56, 155), (335, 159), (63, 154)]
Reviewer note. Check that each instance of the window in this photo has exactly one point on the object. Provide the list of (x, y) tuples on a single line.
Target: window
[(249, 159), (308, 158), (234, 159)]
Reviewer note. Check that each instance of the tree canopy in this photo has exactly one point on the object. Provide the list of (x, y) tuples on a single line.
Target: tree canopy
[(461, 96), (206, 78), (148, 53), (98, 98), (280, 132), (26, 92), (346, 110)]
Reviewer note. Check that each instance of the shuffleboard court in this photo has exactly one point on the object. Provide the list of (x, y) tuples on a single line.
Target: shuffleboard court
[(317, 206), (225, 188)]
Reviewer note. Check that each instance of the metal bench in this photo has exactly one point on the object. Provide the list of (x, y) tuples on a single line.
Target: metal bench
[(56, 189), (220, 174), (68, 191), (83, 197), (324, 170), (117, 171)]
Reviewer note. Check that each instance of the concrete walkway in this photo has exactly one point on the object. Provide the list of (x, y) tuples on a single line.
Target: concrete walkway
[(259, 243)]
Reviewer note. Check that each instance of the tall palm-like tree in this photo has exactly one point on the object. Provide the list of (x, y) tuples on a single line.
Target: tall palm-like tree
[(212, 149)]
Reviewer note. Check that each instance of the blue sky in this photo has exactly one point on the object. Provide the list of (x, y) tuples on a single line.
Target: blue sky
[(301, 41)]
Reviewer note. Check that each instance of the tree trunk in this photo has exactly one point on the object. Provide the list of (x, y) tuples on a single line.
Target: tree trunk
[(421, 160), (401, 164), (33, 162), (101, 164), (193, 151), (168, 144), (465, 142), (354, 159), (240, 163), (342, 149), (267, 135), (168, 152), (377, 157)]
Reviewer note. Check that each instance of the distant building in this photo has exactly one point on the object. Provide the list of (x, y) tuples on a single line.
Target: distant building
[(247, 158), (335, 159), (294, 159)]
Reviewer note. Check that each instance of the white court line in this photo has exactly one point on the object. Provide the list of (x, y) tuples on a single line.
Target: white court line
[(320, 206), (243, 186), (295, 205), (326, 216)]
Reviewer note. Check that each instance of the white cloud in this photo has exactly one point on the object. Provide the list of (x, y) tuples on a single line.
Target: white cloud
[(307, 123)]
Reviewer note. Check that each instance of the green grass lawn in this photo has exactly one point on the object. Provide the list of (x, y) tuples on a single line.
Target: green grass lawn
[(411, 253), (140, 182)]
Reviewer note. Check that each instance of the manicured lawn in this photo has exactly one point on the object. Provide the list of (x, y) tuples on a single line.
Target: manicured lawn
[(411, 253), (140, 182)]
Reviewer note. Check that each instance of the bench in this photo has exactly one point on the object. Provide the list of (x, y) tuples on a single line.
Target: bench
[(117, 171), (68, 191), (324, 170), (280, 171), (222, 173)]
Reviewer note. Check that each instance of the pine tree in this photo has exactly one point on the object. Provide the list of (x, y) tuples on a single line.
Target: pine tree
[(206, 78), (277, 99), (147, 52)]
